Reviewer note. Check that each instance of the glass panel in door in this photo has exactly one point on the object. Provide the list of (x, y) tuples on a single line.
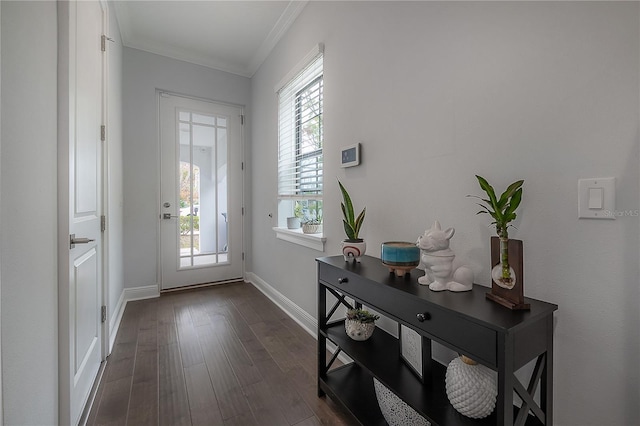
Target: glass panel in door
[(202, 190)]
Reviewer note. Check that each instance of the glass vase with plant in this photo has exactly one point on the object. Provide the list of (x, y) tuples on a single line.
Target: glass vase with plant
[(503, 212)]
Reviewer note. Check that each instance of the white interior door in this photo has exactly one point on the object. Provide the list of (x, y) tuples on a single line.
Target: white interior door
[(201, 192), (80, 198)]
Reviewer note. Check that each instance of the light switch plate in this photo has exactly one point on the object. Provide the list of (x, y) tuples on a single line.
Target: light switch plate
[(597, 198)]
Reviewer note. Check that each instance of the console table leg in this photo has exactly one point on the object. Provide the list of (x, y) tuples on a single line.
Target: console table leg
[(546, 382), (322, 341), (504, 403)]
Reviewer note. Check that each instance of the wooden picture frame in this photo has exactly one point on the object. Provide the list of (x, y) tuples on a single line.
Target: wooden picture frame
[(510, 298)]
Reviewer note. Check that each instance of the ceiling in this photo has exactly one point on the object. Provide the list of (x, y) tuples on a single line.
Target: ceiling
[(233, 36)]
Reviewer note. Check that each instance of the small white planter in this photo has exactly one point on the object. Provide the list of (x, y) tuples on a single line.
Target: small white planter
[(311, 229), (353, 250), (293, 222), (358, 330)]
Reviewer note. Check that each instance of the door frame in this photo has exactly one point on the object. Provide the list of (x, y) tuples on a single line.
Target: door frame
[(158, 187), (64, 133)]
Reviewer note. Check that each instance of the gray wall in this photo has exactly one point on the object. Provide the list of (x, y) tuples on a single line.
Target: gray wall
[(29, 213), (439, 92), (144, 73)]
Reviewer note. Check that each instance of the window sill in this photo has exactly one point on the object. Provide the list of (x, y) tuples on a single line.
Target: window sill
[(296, 236)]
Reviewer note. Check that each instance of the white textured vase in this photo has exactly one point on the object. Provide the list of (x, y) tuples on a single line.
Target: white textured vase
[(359, 330), (471, 388), (395, 411)]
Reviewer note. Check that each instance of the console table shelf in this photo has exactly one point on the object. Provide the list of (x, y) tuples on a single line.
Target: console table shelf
[(465, 322)]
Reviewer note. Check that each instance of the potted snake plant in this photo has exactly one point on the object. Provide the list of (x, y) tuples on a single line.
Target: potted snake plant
[(353, 247)]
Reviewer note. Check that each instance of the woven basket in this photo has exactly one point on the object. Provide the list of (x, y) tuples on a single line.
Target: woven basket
[(395, 411), (311, 229)]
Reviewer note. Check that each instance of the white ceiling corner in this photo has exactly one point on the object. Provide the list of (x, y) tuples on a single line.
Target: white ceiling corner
[(288, 17), (232, 36)]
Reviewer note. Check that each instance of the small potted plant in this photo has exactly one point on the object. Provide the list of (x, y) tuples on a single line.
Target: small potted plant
[(313, 225), (353, 247), (503, 212), (360, 324)]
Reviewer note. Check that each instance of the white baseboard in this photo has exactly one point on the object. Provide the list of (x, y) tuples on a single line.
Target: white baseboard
[(114, 323), (128, 295), (299, 315), (295, 312), (139, 293)]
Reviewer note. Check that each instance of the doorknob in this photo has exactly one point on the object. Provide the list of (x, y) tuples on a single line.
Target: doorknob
[(73, 240), (168, 215)]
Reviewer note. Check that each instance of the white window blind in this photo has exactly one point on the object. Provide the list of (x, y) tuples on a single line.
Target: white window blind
[(300, 134)]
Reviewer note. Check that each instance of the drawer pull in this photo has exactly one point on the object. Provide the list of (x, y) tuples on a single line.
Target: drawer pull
[(423, 317), (343, 280)]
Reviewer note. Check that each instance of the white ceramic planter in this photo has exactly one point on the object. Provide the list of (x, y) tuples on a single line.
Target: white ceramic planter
[(293, 222), (353, 250), (358, 330)]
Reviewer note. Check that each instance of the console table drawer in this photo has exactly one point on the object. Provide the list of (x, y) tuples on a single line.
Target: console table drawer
[(343, 280), (477, 341)]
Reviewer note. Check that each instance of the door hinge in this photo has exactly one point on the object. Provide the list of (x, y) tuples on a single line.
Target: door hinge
[(103, 42), (243, 256), (103, 314), (243, 211), (242, 119), (103, 223), (103, 133), (242, 165)]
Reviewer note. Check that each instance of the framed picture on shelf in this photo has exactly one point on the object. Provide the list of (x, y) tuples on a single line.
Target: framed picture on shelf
[(415, 351)]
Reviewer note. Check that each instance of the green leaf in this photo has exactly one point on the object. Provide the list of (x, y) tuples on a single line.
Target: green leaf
[(349, 216), (488, 189), (348, 230), (359, 221), (509, 192), (514, 202)]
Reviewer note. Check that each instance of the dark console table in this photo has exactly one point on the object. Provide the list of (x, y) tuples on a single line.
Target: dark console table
[(467, 323)]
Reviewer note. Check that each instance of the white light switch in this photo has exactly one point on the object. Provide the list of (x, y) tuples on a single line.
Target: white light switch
[(597, 198)]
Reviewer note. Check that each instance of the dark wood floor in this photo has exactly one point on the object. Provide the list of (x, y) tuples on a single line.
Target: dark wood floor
[(223, 355)]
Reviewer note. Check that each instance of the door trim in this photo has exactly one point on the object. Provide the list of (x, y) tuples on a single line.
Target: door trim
[(106, 348), (158, 186)]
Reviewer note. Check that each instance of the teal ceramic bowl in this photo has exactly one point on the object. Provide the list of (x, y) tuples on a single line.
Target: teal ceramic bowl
[(400, 253)]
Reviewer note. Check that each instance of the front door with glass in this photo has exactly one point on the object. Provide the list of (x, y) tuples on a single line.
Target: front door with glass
[(201, 190)]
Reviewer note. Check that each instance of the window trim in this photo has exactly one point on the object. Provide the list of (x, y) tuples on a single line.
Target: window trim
[(296, 236)]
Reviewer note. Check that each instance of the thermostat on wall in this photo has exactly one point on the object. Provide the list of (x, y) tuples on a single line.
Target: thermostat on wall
[(350, 155)]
